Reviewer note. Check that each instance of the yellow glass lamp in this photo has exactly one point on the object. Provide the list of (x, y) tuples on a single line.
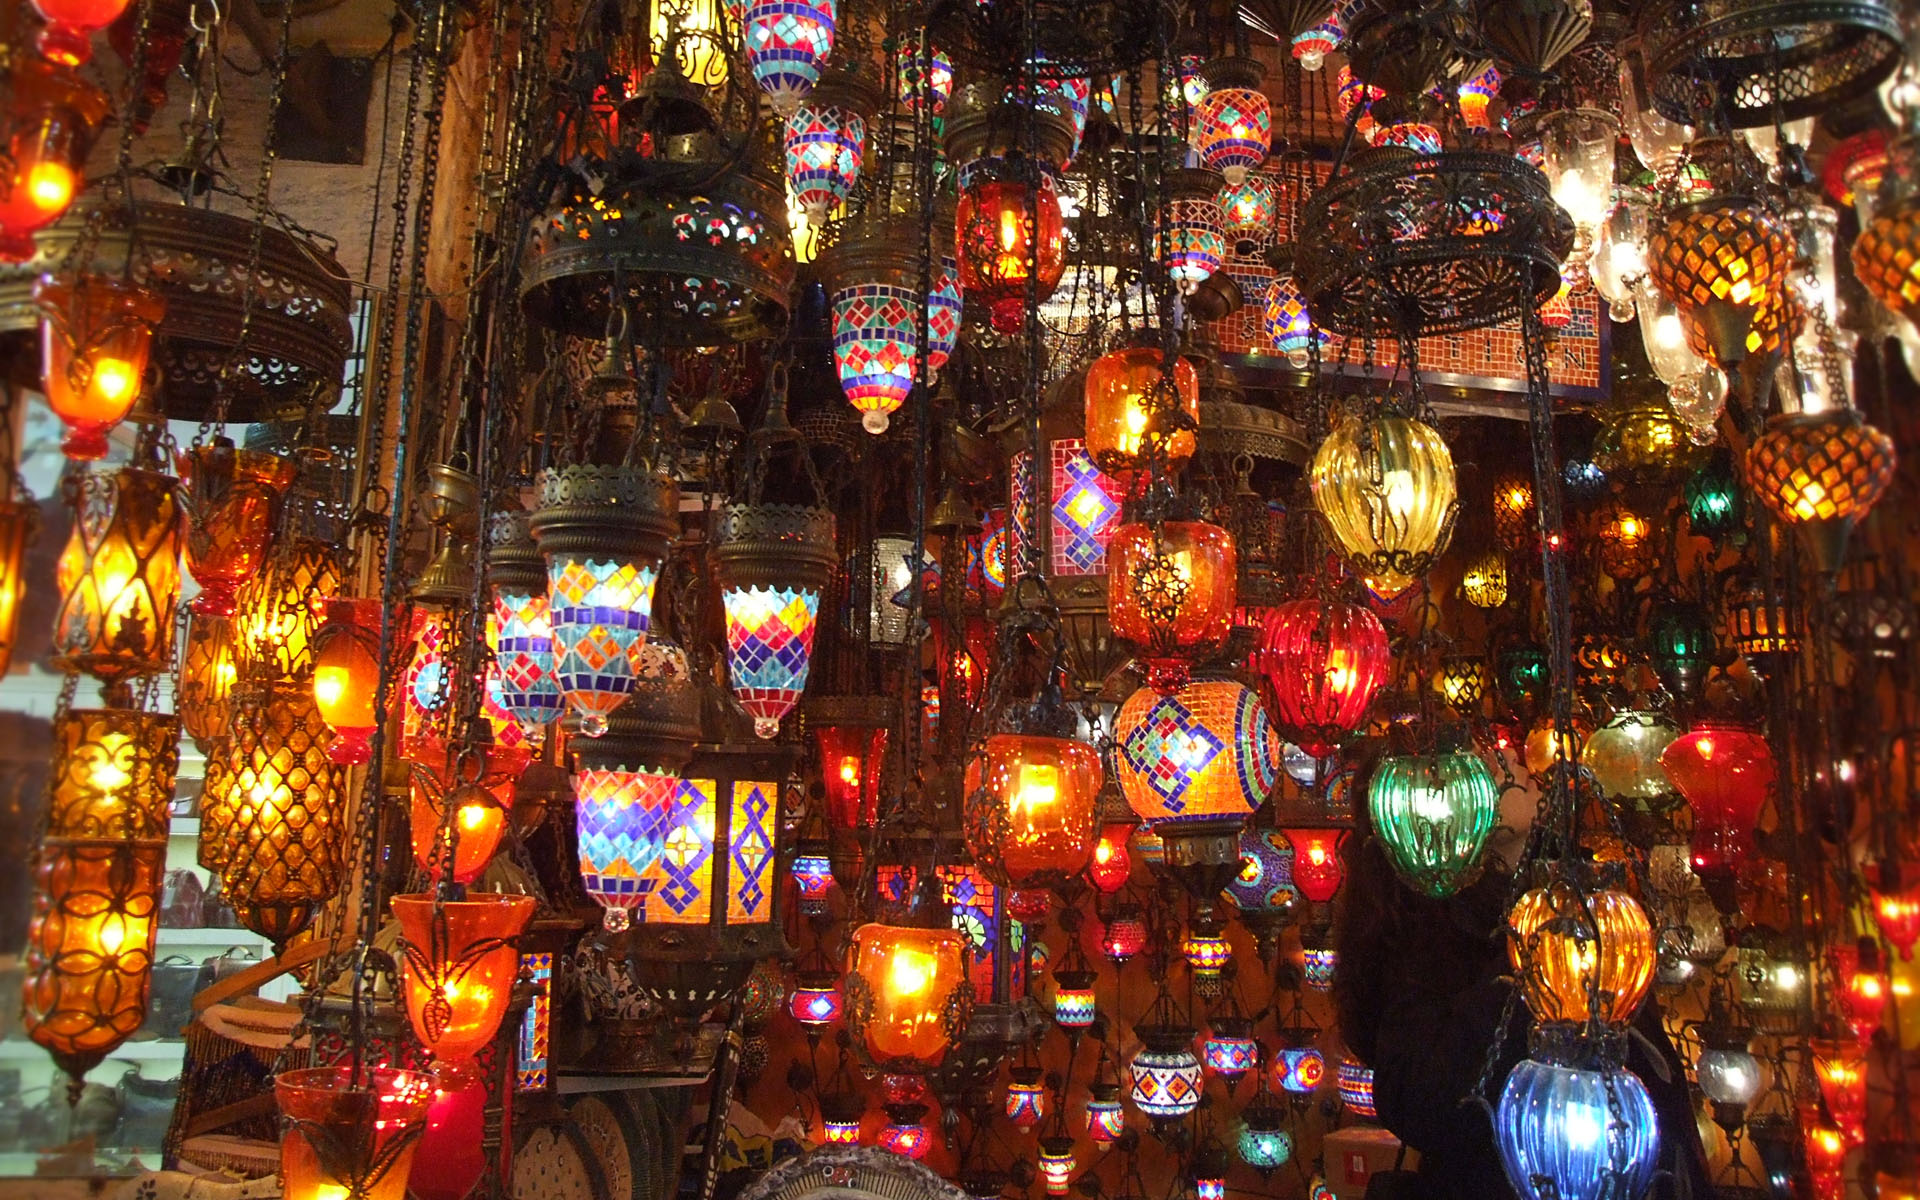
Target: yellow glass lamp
[(113, 773), (1386, 487), (695, 33), (908, 996), (18, 520), (1578, 960)]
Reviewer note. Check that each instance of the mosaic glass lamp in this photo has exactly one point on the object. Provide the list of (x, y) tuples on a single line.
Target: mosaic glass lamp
[(1233, 122), (825, 140), (786, 43), (1822, 472), (1726, 263), (771, 562)]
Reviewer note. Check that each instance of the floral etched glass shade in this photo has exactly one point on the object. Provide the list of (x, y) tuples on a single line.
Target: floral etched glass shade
[(113, 773), (458, 970), (231, 497), (95, 338)]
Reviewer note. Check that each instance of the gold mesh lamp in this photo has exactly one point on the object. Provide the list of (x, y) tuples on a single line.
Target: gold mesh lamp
[(1726, 262), (119, 578), (1821, 472)]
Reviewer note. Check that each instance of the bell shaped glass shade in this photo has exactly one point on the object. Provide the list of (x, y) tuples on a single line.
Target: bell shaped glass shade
[(786, 41), (1324, 661), (1558, 1137), (1434, 813), (1568, 951), (1725, 773), (459, 969)]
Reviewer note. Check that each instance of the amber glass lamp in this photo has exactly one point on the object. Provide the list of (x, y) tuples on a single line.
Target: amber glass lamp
[(350, 1136), (1821, 471), (1725, 262), (279, 611), (1513, 519), (1031, 804), (284, 850), (476, 783), (346, 675), (119, 577), (89, 959), (1581, 957), (1171, 590), (18, 519), (53, 113), (113, 772), (1484, 582), (908, 996), (1142, 411), (208, 671), (1008, 227), (1386, 488), (1627, 544), (459, 968), (230, 496), (95, 335)]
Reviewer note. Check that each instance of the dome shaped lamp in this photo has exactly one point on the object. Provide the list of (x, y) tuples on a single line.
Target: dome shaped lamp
[(1434, 814), (1325, 662), (1822, 472), (1386, 488), (786, 43), (1581, 958), (1725, 773), (1171, 592)]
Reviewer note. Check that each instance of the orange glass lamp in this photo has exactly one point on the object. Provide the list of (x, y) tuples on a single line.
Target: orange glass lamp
[(208, 671), (346, 676), (1031, 804), (1513, 519), (850, 760), (476, 782), (348, 1137), (1171, 590), (1841, 1067), (1568, 954), (18, 519), (119, 577), (279, 611), (459, 968), (95, 338), (1822, 472), (1142, 413), (89, 958), (54, 113), (908, 996), (998, 242), (1725, 262), (284, 846), (231, 498), (113, 772)]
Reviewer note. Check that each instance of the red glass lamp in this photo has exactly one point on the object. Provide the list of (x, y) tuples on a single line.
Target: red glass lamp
[(1325, 661), (1008, 225), (1171, 591), (1111, 864), (850, 758), (1317, 867), (53, 115), (96, 335), (1725, 773), (70, 23)]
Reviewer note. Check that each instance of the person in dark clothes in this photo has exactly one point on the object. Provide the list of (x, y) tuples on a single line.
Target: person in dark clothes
[(1419, 993)]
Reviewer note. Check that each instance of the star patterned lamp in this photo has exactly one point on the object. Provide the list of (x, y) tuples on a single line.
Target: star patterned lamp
[(1166, 1078), (771, 562)]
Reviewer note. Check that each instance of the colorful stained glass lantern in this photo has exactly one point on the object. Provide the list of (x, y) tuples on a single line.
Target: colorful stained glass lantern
[(1057, 1164), (119, 577), (1171, 590), (1249, 207), (1263, 891), (786, 43), (1142, 414), (1355, 1080), (1233, 122), (1317, 964), (1207, 952), (1476, 97), (1725, 773), (1566, 1133), (1726, 263), (621, 811), (825, 141), (1264, 1143), (1325, 661), (1231, 1050), (1074, 1004), (96, 335), (1386, 488), (1026, 1104), (905, 1133), (1106, 1116), (815, 1000), (876, 315), (908, 997), (603, 532), (1289, 326), (771, 563), (521, 680), (840, 1116), (1166, 1078), (1190, 238), (1204, 755), (90, 945), (231, 498), (923, 73), (1299, 1070), (1007, 227), (458, 970), (1311, 46), (113, 774), (1569, 950), (1434, 814)]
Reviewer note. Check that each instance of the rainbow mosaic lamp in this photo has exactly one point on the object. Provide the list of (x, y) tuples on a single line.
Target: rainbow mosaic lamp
[(1233, 123), (603, 532), (825, 142), (1192, 241), (521, 682), (875, 289), (771, 562), (626, 783), (786, 41)]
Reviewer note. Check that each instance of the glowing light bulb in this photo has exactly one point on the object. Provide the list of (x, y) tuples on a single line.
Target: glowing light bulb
[(1039, 787), (329, 685), (50, 184), (911, 972), (1396, 489)]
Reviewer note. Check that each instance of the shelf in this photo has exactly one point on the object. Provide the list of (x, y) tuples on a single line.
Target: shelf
[(158, 1050), (570, 1084), (184, 827), (217, 939)]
